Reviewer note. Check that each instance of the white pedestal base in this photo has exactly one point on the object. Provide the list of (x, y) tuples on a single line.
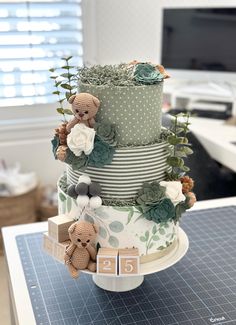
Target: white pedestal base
[(126, 283), (118, 284)]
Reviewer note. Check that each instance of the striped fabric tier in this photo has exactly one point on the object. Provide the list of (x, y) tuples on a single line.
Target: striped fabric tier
[(130, 168)]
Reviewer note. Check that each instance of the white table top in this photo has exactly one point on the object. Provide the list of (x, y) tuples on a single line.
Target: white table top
[(18, 290), (216, 137)]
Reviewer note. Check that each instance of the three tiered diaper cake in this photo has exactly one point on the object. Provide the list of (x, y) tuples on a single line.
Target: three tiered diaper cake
[(125, 185)]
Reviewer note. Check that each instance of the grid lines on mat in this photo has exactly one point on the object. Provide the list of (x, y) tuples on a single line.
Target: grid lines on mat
[(200, 289)]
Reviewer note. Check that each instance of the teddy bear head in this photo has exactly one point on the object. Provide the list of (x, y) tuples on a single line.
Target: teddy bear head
[(82, 233), (84, 106)]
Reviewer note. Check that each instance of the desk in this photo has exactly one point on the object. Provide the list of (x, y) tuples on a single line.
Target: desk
[(19, 295), (216, 137)]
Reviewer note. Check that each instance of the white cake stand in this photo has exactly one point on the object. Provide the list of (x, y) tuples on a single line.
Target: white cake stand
[(125, 283)]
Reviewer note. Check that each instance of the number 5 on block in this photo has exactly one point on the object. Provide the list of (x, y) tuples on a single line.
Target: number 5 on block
[(107, 261), (128, 261)]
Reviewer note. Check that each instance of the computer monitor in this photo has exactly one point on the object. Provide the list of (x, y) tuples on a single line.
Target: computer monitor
[(198, 39)]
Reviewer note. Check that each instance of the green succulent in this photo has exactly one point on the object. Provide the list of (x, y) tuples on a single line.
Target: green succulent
[(181, 208), (150, 193), (77, 163), (163, 211), (102, 153), (106, 132), (55, 144), (147, 74)]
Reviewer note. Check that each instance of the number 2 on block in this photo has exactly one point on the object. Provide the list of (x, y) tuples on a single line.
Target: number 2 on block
[(107, 265)]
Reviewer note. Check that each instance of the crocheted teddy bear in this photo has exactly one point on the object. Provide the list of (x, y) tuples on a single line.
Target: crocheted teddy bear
[(80, 254), (84, 107)]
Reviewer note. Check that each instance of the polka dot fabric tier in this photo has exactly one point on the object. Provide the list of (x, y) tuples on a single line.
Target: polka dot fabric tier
[(135, 110), (130, 168)]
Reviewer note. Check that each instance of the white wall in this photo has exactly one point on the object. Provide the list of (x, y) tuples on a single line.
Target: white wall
[(25, 135), (122, 31)]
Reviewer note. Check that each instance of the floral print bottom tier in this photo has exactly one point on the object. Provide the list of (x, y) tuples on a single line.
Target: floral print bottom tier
[(124, 226)]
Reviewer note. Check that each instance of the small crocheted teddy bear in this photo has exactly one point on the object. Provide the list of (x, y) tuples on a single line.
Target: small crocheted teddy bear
[(80, 254), (84, 107)]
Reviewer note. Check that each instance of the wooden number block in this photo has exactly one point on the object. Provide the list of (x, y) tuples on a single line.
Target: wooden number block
[(59, 250), (47, 243), (107, 261), (53, 248), (128, 261), (58, 227)]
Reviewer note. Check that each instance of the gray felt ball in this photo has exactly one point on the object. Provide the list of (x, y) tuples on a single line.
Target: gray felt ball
[(95, 189), (81, 189), (71, 191)]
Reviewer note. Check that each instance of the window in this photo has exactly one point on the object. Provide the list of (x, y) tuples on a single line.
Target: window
[(34, 36)]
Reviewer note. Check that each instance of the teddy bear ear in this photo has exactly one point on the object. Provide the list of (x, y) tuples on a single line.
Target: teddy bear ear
[(71, 99), (96, 228), (72, 228), (96, 101)]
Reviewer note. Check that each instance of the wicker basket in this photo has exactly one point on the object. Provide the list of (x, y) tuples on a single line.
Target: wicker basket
[(47, 211), (18, 210)]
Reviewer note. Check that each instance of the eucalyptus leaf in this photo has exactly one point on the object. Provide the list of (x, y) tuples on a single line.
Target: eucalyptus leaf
[(187, 150), (130, 215), (67, 58), (102, 232), (147, 235), (143, 239), (150, 245), (68, 112), (180, 153), (179, 130), (174, 140), (116, 226), (154, 230), (102, 214), (67, 67), (62, 197), (56, 92), (184, 140), (63, 207), (113, 241), (69, 204), (162, 231), (88, 218), (67, 75), (139, 217), (60, 110), (161, 248), (185, 168), (175, 161), (66, 86), (155, 238), (67, 94)]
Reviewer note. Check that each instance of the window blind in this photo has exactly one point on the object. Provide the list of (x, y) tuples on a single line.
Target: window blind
[(34, 36)]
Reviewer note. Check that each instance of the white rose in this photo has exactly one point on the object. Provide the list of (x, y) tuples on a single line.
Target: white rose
[(81, 139), (174, 191)]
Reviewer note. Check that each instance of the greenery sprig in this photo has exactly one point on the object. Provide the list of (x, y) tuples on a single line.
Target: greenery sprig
[(180, 148), (65, 84)]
